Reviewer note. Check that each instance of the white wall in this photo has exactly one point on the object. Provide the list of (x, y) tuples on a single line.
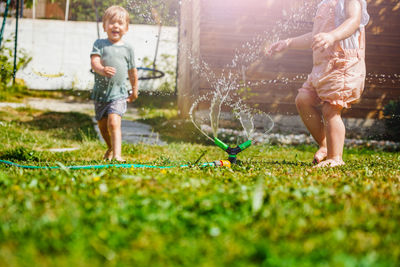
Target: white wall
[(64, 47)]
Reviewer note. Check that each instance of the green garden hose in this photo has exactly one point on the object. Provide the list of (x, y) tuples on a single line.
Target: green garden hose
[(216, 163)]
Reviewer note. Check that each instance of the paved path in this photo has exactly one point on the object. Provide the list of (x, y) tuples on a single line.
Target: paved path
[(132, 132)]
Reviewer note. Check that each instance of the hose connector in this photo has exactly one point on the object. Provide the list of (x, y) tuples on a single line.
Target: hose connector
[(222, 163)]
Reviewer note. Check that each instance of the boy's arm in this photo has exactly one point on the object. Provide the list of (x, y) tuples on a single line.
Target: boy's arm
[(299, 42), (345, 30), (95, 61), (133, 79)]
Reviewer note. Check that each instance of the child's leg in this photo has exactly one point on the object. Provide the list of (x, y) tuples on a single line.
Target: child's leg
[(114, 126), (103, 127), (335, 134), (312, 118)]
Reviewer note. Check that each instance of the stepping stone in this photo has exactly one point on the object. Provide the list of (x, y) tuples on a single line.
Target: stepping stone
[(12, 105)]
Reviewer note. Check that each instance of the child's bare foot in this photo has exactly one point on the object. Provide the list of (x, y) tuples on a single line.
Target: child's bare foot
[(108, 154), (320, 155), (119, 159), (330, 163)]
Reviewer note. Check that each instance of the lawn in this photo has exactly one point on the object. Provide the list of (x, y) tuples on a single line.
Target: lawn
[(273, 209)]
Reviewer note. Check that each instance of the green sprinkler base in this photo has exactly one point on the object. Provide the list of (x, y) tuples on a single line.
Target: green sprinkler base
[(232, 151)]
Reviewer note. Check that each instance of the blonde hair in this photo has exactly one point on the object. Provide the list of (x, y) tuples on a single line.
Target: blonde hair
[(116, 11)]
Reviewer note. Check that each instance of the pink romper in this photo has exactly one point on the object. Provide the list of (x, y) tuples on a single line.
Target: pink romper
[(338, 73)]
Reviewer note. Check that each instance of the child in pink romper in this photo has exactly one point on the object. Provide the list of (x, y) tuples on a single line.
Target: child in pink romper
[(338, 74)]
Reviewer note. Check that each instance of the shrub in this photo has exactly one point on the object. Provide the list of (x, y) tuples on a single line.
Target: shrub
[(7, 65), (392, 120), (167, 64)]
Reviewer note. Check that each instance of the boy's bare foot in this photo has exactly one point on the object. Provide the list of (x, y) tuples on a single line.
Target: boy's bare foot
[(108, 154), (330, 163), (320, 155), (119, 159)]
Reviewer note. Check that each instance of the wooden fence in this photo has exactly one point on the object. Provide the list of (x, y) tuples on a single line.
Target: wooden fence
[(214, 30)]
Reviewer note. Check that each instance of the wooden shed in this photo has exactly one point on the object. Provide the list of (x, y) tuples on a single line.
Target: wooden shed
[(213, 29)]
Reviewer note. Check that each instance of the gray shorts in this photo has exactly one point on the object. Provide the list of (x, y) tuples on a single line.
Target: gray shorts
[(102, 109)]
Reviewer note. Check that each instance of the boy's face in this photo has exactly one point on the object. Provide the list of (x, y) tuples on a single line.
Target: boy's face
[(115, 28)]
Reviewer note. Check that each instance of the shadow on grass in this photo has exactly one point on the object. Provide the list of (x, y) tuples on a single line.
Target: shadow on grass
[(65, 125), (20, 153), (265, 163), (156, 100), (176, 130)]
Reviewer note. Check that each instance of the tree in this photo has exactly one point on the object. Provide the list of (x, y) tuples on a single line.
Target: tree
[(141, 10)]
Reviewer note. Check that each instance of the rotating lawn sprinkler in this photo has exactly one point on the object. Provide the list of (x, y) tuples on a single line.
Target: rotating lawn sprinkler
[(232, 151)]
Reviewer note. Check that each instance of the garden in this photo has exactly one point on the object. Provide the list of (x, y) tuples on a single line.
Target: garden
[(272, 209), (170, 204)]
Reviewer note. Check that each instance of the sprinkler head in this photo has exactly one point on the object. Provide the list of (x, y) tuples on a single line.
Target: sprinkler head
[(232, 151)]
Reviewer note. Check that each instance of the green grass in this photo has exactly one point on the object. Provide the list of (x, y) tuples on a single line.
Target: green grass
[(273, 209), (18, 92)]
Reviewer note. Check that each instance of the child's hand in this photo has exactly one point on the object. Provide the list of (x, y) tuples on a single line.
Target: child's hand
[(322, 41), (109, 71), (133, 96), (277, 47)]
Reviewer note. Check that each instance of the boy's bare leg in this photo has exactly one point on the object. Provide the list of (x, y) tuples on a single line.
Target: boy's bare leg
[(335, 134), (114, 126), (103, 127), (312, 119)]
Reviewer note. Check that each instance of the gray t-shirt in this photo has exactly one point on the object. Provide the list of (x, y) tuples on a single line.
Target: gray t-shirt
[(121, 58)]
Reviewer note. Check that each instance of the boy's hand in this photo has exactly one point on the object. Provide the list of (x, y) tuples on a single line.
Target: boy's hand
[(133, 96), (109, 71), (322, 41), (98, 67), (277, 47)]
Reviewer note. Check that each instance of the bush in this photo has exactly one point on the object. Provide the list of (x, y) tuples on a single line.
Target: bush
[(392, 120), (167, 64), (7, 64)]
